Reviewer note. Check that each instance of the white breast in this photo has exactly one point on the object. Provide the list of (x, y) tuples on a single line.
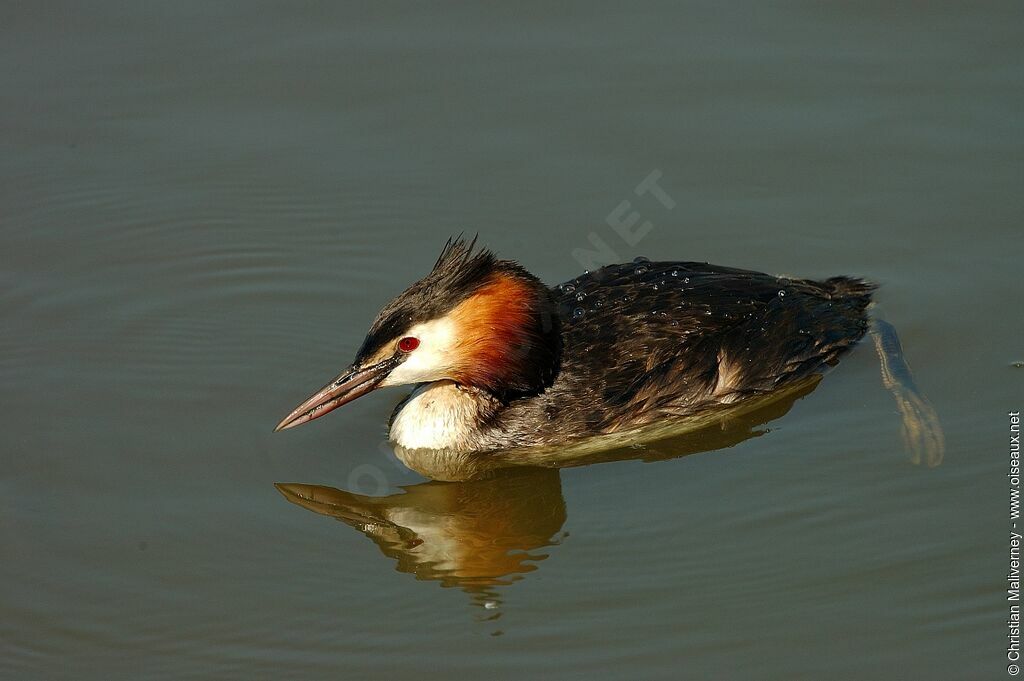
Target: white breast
[(436, 416)]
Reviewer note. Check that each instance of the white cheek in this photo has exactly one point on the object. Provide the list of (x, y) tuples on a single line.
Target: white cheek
[(432, 359)]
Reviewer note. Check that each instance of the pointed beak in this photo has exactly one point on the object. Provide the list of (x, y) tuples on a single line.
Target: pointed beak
[(354, 382)]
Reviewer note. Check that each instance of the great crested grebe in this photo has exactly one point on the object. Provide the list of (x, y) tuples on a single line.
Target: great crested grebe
[(500, 361)]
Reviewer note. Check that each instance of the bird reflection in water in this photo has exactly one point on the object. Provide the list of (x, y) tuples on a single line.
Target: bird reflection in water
[(476, 535), (483, 534)]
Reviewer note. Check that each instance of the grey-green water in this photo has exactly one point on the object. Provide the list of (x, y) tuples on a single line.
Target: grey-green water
[(203, 206)]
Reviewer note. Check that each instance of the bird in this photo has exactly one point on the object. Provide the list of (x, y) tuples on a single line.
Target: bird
[(498, 360)]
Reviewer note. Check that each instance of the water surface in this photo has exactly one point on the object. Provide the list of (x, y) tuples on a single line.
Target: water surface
[(203, 209)]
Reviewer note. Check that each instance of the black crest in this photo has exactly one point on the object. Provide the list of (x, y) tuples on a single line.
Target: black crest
[(460, 270)]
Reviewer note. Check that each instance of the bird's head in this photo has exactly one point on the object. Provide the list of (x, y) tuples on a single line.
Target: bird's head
[(481, 322)]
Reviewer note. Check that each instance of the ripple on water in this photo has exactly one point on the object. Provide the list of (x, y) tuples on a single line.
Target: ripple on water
[(168, 281)]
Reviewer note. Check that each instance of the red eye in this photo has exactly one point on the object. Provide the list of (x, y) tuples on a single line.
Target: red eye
[(408, 344)]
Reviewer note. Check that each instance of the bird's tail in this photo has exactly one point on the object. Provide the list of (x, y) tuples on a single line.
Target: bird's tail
[(851, 287)]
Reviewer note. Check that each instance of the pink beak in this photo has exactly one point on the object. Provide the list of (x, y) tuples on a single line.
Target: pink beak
[(351, 384)]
